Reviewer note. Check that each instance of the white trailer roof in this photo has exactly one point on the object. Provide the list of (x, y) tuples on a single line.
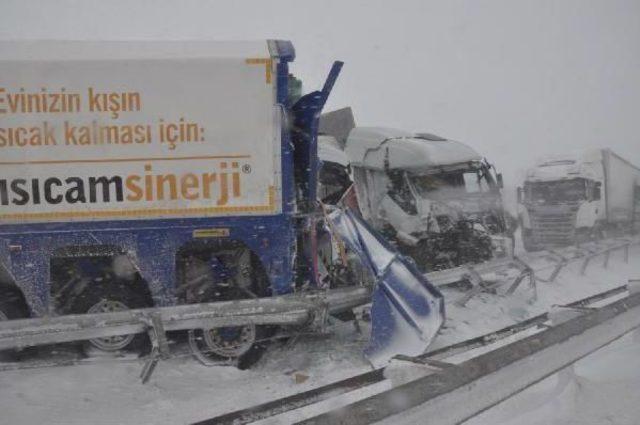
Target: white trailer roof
[(62, 50), (367, 146)]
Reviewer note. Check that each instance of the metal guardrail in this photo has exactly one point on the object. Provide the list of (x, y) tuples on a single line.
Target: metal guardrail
[(296, 309), (282, 310), (459, 392), (274, 408), (479, 276)]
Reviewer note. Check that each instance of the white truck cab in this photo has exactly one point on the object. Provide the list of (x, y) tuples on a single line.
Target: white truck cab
[(575, 197), (423, 190), (396, 179)]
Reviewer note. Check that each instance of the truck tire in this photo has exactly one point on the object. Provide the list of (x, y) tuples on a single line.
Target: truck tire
[(244, 349), (241, 346), (10, 310), (110, 297)]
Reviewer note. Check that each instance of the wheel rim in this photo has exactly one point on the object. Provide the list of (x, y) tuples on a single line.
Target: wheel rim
[(111, 343), (230, 342), (225, 272)]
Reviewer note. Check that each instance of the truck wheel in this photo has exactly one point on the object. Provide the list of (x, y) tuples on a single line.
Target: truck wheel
[(9, 310), (236, 275), (241, 346), (108, 298)]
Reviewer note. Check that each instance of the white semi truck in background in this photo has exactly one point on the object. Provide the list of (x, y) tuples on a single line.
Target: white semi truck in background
[(574, 198), (439, 200)]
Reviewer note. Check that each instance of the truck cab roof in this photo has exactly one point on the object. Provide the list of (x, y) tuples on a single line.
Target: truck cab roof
[(567, 166), (367, 147), (329, 150)]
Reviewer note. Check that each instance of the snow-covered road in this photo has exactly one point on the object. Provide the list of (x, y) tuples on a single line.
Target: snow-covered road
[(603, 388)]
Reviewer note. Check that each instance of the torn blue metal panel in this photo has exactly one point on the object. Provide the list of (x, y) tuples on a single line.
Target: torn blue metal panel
[(407, 311), (304, 136)]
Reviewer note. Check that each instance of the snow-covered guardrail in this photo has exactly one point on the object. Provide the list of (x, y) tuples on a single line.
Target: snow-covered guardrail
[(283, 310), (458, 392), (483, 276)]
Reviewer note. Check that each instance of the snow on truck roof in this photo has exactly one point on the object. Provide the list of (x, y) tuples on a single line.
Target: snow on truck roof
[(68, 50), (570, 165), (329, 151), (367, 146), (569, 158)]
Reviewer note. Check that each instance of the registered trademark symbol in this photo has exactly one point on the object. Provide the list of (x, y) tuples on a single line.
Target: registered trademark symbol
[(246, 168)]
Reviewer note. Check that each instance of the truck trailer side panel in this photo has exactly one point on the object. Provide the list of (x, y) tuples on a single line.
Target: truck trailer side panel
[(130, 138), (620, 178), (143, 150)]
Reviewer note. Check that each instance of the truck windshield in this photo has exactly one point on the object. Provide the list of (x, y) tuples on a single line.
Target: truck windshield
[(452, 184), (556, 191)]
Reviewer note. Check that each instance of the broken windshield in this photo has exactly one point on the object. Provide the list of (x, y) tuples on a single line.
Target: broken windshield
[(452, 184)]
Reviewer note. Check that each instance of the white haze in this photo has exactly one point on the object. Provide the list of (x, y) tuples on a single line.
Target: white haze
[(514, 79)]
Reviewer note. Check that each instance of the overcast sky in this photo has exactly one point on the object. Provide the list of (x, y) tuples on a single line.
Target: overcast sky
[(514, 79)]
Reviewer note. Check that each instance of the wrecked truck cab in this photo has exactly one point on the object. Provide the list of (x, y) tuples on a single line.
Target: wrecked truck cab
[(438, 198)]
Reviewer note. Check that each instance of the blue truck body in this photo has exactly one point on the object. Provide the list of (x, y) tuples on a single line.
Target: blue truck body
[(26, 249)]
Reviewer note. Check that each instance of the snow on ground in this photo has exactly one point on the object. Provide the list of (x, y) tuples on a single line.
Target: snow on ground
[(183, 391), (486, 312), (602, 389), (180, 391)]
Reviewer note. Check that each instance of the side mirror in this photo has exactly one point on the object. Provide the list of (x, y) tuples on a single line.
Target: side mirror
[(500, 182), (519, 193)]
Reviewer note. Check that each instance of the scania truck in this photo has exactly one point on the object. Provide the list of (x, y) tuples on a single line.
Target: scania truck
[(573, 198)]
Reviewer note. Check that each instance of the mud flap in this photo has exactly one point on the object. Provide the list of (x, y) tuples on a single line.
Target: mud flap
[(407, 311)]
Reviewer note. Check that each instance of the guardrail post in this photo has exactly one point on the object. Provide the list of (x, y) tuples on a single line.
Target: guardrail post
[(633, 286), (525, 270), (159, 344), (626, 253), (563, 261), (556, 271), (587, 259), (475, 279), (533, 283)]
